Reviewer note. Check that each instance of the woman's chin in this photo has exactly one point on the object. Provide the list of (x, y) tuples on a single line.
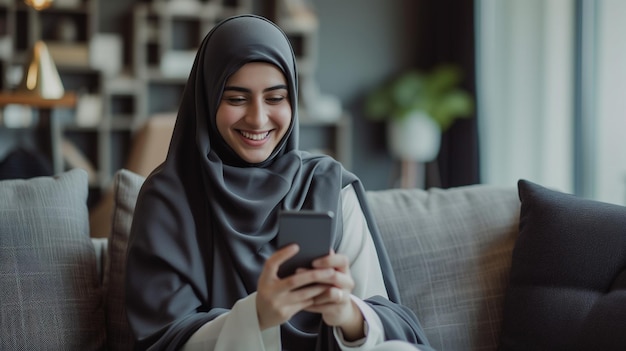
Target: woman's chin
[(255, 157)]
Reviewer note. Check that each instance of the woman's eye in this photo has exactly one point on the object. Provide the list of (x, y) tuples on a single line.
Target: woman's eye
[(275, 99), (235, 100)]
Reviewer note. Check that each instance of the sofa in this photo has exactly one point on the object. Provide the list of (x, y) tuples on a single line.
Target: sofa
[(483, 267)]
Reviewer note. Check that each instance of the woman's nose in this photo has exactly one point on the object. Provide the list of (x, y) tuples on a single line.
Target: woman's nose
[(256, 114)]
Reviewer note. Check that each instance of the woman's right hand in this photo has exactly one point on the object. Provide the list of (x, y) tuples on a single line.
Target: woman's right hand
[(277, 299)]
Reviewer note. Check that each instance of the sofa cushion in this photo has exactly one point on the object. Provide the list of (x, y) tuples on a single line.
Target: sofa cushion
[(126, 187), (50, 293), (568, 274), (451, 251)]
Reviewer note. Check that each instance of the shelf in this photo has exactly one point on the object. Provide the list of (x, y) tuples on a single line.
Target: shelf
[(122, 123), (68, 100)]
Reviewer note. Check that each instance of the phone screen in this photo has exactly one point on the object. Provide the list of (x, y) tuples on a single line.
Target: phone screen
[(311, 230)]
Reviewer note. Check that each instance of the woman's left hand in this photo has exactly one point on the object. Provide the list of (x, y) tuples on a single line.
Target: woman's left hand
[(335, 304)]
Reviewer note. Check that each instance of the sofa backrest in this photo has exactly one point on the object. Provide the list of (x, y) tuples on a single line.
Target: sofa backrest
[(450, 250), (451, 253)]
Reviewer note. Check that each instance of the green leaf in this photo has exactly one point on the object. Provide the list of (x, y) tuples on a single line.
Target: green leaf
[(456, 104), (443, 79), (406, 89), (436, 93)]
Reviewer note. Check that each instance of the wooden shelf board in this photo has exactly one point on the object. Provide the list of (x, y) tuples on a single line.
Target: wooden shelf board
[(67, 100)]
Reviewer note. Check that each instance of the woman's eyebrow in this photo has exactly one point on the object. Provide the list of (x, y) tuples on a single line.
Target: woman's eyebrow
[(275, 87), (234, 88), (246, 90)]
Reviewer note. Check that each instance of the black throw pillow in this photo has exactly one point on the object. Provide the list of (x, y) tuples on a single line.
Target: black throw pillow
[(567, 286)]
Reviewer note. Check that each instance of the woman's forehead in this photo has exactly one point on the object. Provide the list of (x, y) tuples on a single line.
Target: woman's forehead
[(257, 74)]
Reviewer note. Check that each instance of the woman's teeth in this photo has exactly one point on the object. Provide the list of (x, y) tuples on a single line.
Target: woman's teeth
[(254, 136)]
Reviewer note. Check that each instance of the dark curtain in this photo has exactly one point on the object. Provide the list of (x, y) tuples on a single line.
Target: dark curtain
[(445, 34)]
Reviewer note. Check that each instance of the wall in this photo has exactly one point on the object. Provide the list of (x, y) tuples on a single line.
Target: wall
[(363, 43)]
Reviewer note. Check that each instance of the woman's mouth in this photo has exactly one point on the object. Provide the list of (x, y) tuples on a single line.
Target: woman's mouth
[(254, 136)]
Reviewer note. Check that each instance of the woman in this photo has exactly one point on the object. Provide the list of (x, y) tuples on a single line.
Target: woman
[(203, 259)]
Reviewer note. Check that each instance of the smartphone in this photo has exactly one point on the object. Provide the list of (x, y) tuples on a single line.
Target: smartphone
[(311, 230)]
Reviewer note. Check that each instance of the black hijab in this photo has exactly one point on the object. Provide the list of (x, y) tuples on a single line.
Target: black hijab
[(206, 220)]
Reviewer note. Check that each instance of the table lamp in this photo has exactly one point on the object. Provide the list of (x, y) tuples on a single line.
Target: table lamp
[(40, 76)]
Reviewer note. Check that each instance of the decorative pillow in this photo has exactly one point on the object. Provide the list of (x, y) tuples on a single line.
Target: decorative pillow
[(451, 252), (568, 274), (50, 293), (126, 188)]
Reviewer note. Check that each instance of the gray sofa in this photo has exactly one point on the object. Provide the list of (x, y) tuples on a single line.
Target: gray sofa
[(451, 250)]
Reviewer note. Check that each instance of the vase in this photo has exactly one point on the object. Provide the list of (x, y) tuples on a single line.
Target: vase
[(414, 138)]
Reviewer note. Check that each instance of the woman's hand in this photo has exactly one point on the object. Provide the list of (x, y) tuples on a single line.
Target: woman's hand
[(335, 304), (277, 300)]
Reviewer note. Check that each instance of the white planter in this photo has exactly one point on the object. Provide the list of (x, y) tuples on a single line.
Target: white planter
[(415, 138)]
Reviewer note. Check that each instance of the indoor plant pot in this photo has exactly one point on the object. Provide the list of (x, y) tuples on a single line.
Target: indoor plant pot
[(418, 107), (416, 137)]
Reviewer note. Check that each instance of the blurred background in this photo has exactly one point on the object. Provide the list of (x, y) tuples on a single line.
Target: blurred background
[(545, 80)]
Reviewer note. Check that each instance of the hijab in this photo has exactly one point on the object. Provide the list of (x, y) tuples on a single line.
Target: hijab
[(206, 220)]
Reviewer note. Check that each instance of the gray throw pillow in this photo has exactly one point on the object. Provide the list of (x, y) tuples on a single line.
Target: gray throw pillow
[(50, 293), (451, 251), (125, 190), (568, 274)]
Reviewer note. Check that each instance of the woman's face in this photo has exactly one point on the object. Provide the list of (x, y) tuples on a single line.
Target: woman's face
[(254, 113)]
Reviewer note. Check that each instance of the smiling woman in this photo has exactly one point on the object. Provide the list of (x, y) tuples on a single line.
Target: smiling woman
[(254, 113), (203, 255)]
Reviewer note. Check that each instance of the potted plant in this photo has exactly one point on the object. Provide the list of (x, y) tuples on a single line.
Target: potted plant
[(418, 107)]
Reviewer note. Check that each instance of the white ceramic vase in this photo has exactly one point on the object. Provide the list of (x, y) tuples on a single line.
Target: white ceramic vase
[(414, 138)]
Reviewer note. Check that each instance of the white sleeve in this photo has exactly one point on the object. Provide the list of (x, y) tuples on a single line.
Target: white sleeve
[(358, 246), (235, 330)]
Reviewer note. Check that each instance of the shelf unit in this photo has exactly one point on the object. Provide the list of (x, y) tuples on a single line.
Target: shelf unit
[(162, 43), (67, 28)]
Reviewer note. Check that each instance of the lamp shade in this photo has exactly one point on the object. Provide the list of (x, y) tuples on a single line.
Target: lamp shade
[(40, 74), (39, 4)]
